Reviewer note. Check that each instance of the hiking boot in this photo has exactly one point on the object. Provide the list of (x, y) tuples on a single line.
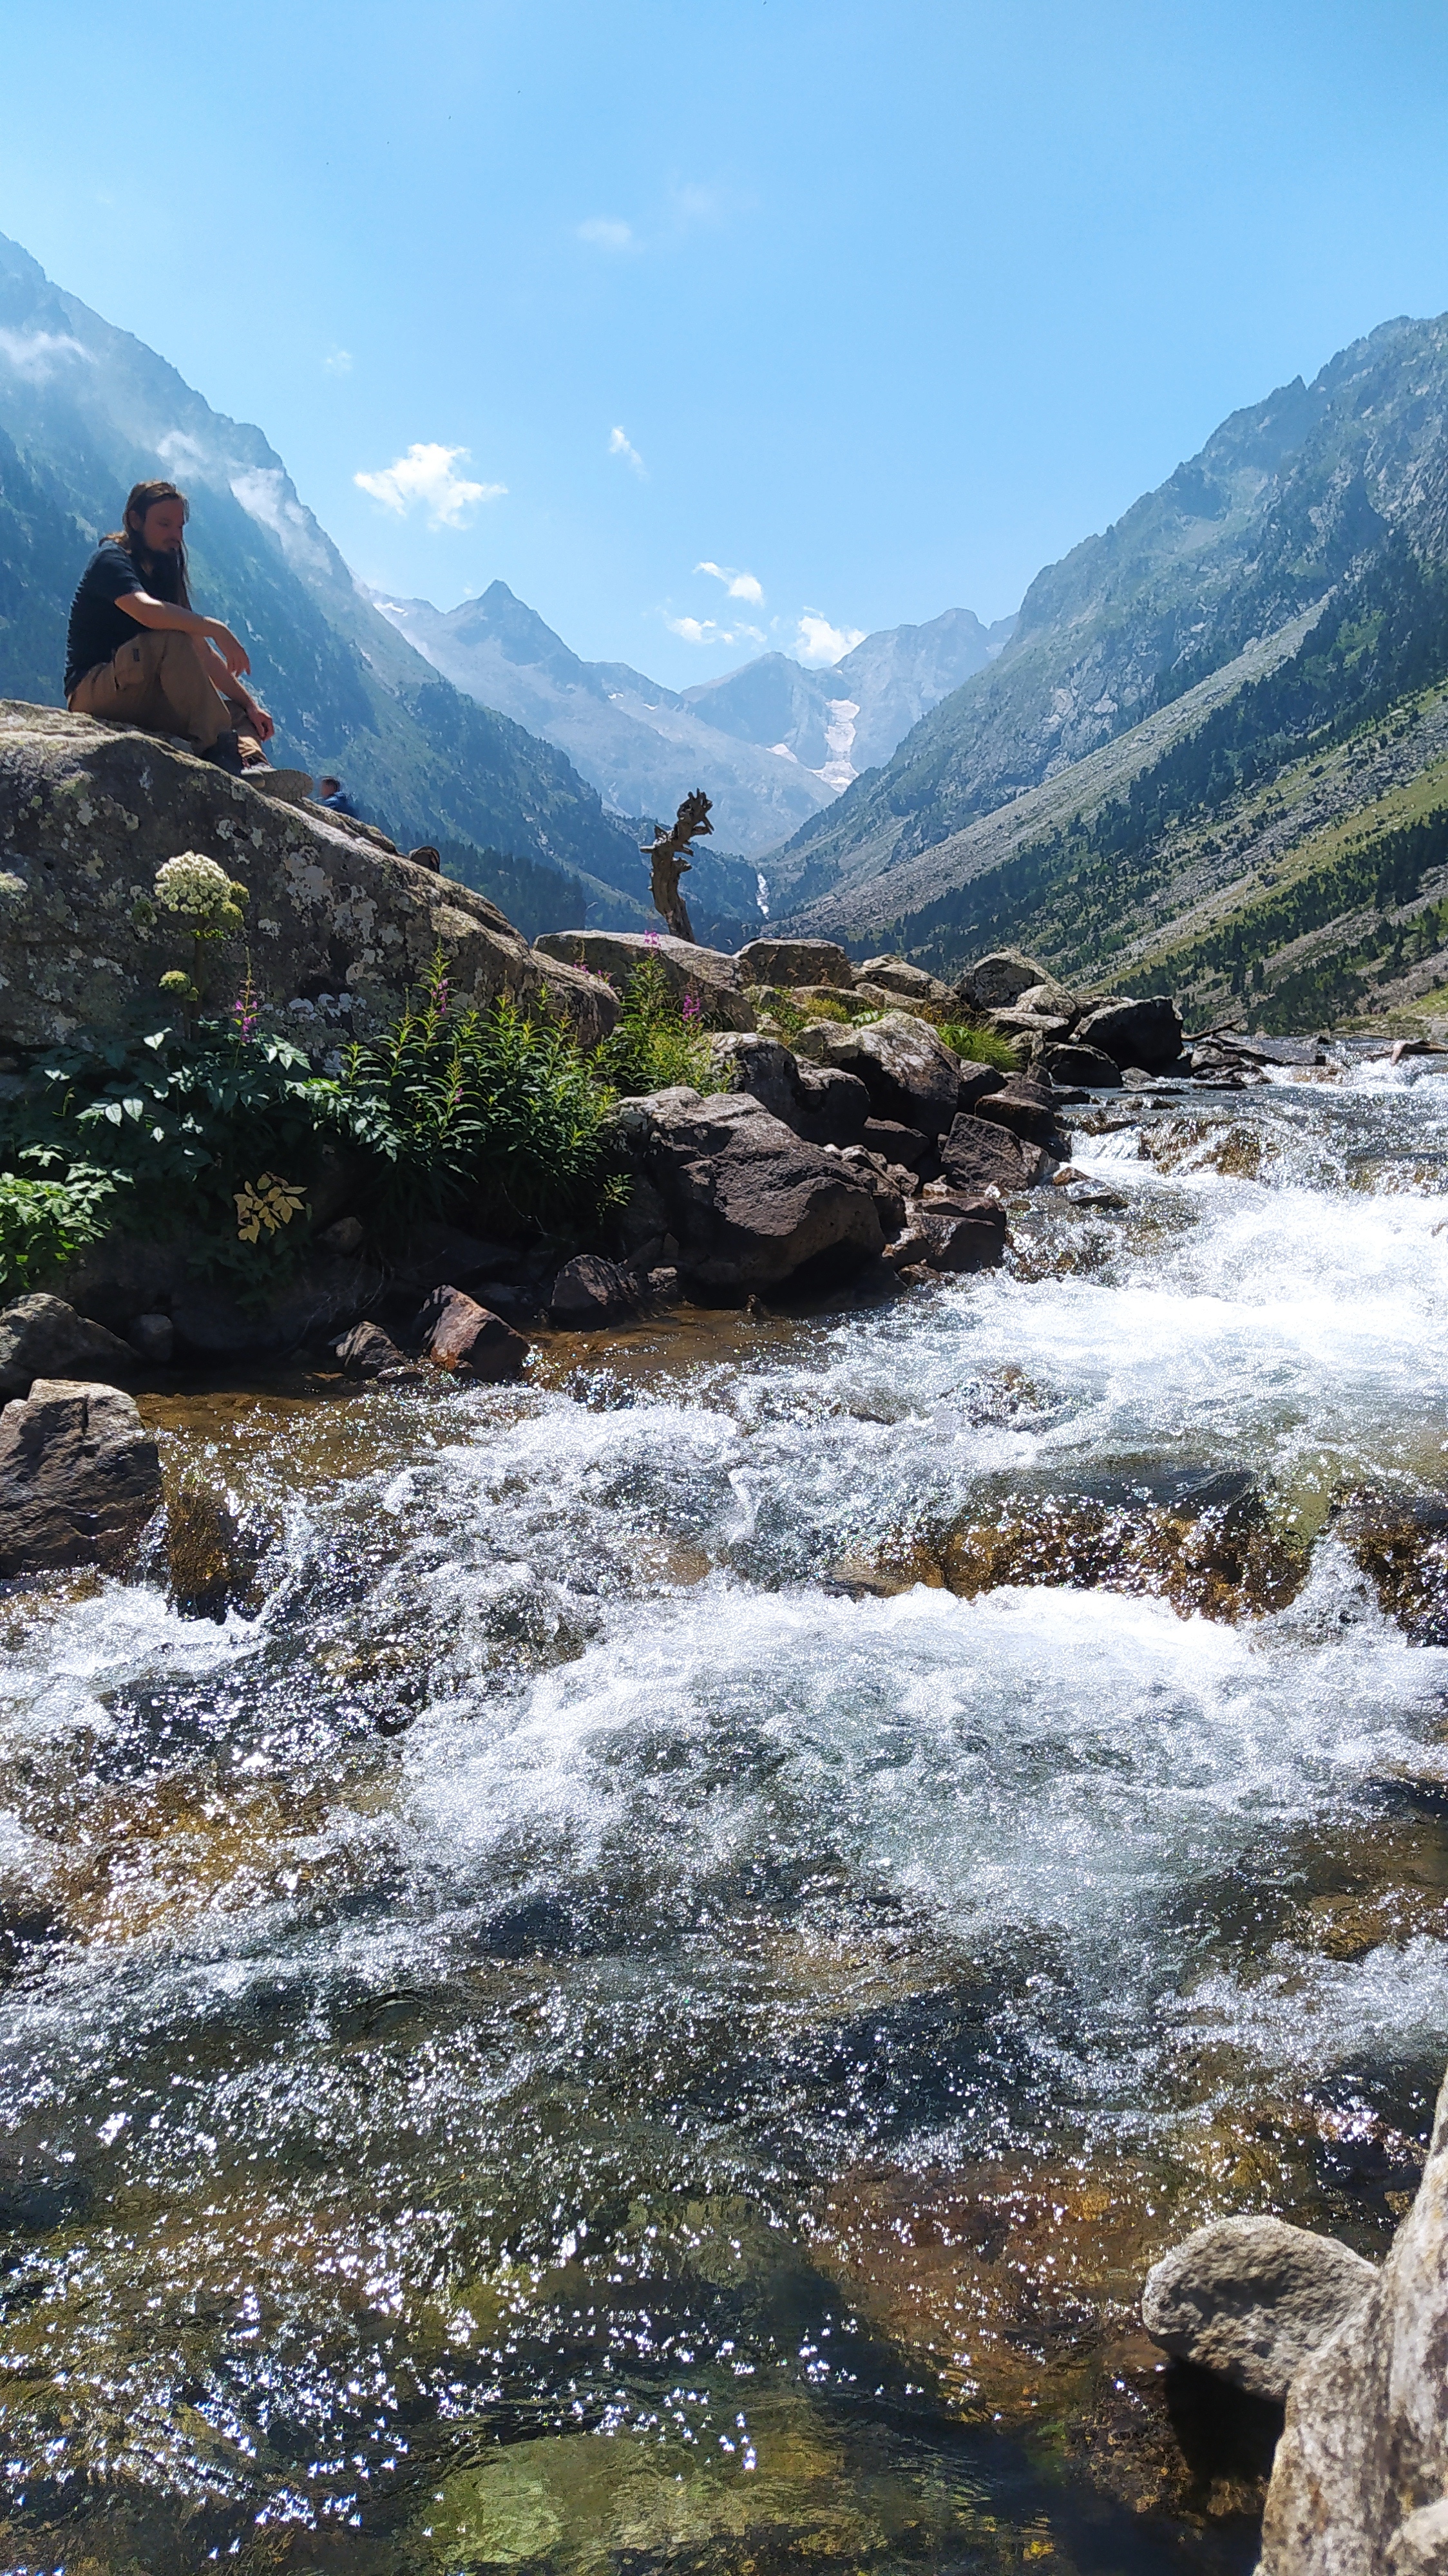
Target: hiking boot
[(224, 753), (289, 786)]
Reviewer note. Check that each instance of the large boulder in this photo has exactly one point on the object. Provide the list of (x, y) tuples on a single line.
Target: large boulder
[(1085, 1067), (897, 975), (822, 1102), (1361, 2473), (41, 1336), (79, 1477), (996, 982), (794, 961), (88, 813), (909, 1073), (749, 1203), (1252, 2299), (979, 1155), (1027, 1109), (1148, 1033), (712, 977)]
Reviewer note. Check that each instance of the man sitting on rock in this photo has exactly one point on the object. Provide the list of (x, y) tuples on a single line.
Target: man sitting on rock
[(139, 653)]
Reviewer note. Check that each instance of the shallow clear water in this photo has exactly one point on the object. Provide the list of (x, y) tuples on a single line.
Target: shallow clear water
[(577, 2034)]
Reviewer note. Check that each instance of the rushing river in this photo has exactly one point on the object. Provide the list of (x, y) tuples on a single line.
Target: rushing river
[(601, 2025)]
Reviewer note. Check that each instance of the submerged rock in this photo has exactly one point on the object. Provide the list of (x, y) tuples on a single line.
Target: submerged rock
[(213, 1550), (42, 1336), (1252, 2299), (1401, 1543), (1361, 2473), (79, 1477)]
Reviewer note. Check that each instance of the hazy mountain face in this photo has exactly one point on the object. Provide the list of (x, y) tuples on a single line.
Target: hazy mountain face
[(1283, 502), (772, 744), (85, 411)]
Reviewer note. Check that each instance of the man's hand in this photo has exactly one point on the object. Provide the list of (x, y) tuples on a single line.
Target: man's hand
[(233, 653), (261, 723)]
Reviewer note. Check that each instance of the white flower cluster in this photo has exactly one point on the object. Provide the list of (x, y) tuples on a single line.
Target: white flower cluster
[(195, 885)]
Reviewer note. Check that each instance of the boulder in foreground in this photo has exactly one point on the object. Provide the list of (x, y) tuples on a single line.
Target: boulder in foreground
[(79, 1477), (42, 1336), (87, 814), (749, 1203), (1252, 2299), (1361, 2472)]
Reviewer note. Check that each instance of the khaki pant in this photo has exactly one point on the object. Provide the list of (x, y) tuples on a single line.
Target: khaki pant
[(158, 683)]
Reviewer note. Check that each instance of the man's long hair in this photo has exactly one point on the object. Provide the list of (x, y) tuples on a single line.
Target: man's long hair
[(165, 574)]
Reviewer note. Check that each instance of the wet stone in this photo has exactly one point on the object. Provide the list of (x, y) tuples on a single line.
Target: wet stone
[(1401, 1543)]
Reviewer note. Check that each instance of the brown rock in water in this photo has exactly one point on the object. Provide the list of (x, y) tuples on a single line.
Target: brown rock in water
[(1027, 1109), (79, 1477), (591, 1291), (1361, 2472), (42, 1336), (748, 1202), (467, 1339), (1069, 1064), (969, 1235), (1252, 2299)]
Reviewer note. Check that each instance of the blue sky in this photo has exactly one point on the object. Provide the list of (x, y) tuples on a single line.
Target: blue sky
[(873, 306)]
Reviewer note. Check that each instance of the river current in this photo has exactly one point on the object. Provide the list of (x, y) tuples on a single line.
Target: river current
[(599, 2023)]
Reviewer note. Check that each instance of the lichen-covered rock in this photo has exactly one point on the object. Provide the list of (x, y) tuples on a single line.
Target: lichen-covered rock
[(1252, 2299), (710, 974), (1361, 2471), (87, 815), (909, 1073), (792, 962), (749, 1203), (42, 1336), (79, 1477)]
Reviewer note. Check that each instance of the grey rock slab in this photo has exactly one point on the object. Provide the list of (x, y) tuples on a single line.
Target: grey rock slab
[(79, 1477), (87, 814), (709, 973), (1361, 2470), (749, 1203), (1252, 2299), (41, 1336)]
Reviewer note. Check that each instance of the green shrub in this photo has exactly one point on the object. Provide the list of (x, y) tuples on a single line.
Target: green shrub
[(490, 1115), (979, 1046), (659, 1039), (45, 1223)]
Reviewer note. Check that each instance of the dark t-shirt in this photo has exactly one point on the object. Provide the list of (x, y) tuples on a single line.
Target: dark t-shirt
[(98, 628)]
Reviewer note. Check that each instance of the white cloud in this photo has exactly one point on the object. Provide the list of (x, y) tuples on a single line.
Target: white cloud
[(818, 642), (619, 444), (704, 630), (605, 232), (178, 447), (338, 362), (425, 474), (739, 585), (262, 492), (37, 354)]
